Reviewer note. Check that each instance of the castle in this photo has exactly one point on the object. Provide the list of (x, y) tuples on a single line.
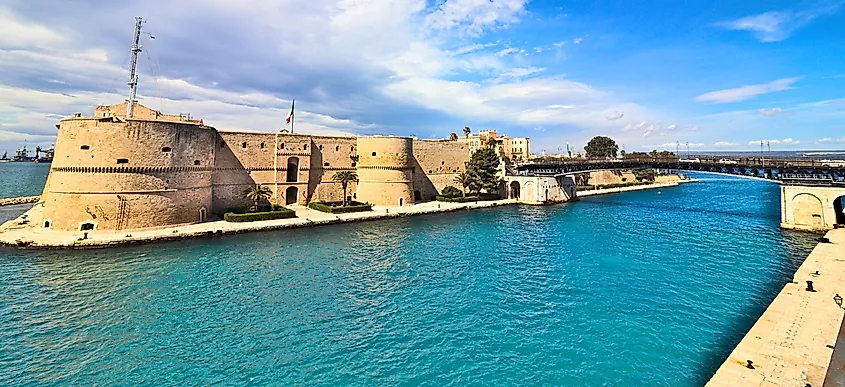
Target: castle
[(156, 170)]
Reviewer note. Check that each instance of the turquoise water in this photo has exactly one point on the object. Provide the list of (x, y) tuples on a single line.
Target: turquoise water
[(22, 179), (635, 289)]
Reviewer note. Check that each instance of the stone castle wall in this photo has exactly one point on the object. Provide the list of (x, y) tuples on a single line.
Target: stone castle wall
[(113, 174)]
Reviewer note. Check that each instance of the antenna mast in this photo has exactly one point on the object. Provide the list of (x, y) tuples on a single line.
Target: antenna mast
[(133, 76)]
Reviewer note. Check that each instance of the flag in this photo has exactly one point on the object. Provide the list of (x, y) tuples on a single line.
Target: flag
[(290, 115)]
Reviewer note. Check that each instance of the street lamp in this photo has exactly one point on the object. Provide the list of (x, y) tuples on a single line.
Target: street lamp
[(838, 300)]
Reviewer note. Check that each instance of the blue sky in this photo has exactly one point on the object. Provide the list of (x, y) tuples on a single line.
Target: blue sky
[(719, 76)]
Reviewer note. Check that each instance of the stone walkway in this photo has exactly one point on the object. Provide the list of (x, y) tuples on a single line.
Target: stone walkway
[(792, 342), (606, 191), (30, 236)]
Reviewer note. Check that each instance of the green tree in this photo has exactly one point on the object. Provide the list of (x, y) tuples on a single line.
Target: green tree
[(601, 146), (483, 170), (637, 155), (491, 142), (467, 131), (464, 180), (256, 193), (344, 178), (453, 136), (582, 179)]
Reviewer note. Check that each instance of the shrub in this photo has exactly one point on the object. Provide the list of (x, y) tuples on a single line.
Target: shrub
[(479, 198), (338, 208), (450, 192), (280, 213)]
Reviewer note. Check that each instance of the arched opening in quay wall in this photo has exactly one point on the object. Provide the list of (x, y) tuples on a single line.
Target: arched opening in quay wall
[(807, 210), (514, 190), (839, 208)]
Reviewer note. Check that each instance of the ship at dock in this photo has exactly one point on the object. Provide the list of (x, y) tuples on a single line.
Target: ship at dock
[(23, 155)]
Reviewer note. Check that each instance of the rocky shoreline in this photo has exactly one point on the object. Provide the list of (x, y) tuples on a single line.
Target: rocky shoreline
[(19, 200)]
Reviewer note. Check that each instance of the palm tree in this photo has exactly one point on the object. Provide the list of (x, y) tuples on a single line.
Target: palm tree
[(467, 131), (453, 136), (464, 180), (256, 193), (344, 178)]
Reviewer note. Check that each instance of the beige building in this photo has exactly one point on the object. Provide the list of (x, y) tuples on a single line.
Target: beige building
[(158, 170), (514, 148)]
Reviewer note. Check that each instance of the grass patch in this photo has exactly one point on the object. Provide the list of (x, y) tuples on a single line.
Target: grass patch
[(338, 208)]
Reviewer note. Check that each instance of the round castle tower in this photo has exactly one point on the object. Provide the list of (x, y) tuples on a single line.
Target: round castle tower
[(109, 173), (385, 170)]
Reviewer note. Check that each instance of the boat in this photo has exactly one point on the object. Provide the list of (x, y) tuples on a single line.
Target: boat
[(47, 156), (5, 158), (21, 155)]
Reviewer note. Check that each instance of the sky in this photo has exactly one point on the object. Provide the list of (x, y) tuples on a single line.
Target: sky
[(650, 74)]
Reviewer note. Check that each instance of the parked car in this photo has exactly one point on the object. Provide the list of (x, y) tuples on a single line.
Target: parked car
[(726, 161)]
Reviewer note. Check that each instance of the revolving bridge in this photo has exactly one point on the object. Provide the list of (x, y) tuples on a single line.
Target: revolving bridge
[(812, 191)]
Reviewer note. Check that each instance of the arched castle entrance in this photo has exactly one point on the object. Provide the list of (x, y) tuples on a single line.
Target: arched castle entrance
[(291, 194)]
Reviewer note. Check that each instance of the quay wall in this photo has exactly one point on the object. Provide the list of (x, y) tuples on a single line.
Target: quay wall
[(812, 208)]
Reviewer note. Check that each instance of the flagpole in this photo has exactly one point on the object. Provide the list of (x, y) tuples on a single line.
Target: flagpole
[(292, 115)]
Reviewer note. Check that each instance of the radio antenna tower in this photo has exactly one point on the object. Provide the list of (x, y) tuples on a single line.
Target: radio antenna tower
[(133, 76)]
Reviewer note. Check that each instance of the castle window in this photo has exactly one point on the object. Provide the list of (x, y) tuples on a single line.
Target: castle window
[(166, 149), (374, 153), (321, 147), (442, 163), (326, 164), (262, 145), (337, 148), (46, 224), (84, 147), (305, 147), (353, 163), (243, 145), (123, 161), (352, 149), (282, 146), (87, 226), (196, 162)]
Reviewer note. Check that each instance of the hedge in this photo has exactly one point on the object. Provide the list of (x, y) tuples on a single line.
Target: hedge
[(338, 208), (478, 198), (281, 213)]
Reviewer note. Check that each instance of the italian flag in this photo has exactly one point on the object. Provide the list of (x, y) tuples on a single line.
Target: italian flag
[(290, 115)]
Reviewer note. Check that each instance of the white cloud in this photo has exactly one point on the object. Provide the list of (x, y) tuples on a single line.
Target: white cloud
[(577, 40), (775, 26), (770, 112), (829, 140), (615, 116), (746, 92), (471, 17), (725, 144), (786, 141)]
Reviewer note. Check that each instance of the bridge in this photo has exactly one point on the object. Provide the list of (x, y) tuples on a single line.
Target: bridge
[(812, 191)]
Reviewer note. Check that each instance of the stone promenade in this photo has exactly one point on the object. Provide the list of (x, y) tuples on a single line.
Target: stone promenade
[(792, 342)]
